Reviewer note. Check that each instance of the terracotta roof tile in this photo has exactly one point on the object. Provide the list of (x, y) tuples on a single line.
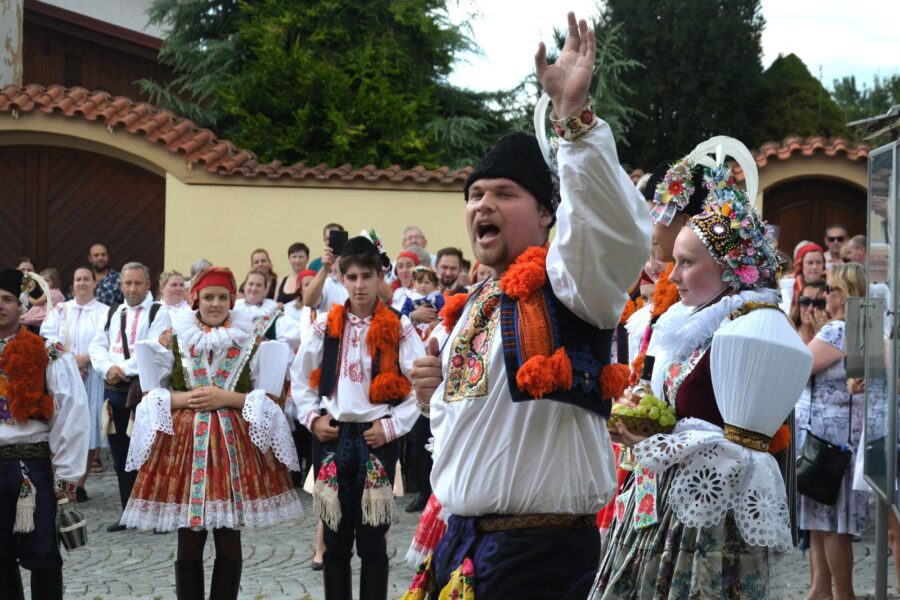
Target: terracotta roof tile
[(200, 146), (810, 146)]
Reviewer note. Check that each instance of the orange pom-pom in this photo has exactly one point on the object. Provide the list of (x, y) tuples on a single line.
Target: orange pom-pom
[(26, 365), (540, 374), (388, 387), (637, 367), (527, 273), (629, 309), (314, 378), (665, 294), (334, 325), (781, 440), (453, 308), (613, 380)]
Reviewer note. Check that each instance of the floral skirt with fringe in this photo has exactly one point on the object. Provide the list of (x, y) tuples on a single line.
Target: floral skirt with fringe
[(208, 475), (669, 560)]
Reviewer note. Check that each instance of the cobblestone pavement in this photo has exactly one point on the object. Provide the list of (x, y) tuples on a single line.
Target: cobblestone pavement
[(277, 561)]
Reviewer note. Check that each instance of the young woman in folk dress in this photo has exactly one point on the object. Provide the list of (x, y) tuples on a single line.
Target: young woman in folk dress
[(222, 461)]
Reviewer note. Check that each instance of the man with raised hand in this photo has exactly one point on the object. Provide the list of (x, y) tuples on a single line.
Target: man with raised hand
[(520, 390)]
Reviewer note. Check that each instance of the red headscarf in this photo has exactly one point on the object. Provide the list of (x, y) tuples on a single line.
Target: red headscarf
[(799, 284), (303, 274), (411, 256), (221, 276)]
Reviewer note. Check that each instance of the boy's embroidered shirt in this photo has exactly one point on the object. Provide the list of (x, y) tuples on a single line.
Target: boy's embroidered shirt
[(350, 402)]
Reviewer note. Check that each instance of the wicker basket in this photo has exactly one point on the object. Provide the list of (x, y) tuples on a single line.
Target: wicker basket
[(643, 426), (71, 526)]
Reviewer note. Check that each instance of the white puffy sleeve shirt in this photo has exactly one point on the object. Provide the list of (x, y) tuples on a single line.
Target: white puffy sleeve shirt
[(496, 456), (350, 402)]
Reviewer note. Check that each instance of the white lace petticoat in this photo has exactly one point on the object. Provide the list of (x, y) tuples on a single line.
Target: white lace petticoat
[(715, 475)]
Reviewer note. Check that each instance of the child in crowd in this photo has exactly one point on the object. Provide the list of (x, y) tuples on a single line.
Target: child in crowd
[(425, 292)]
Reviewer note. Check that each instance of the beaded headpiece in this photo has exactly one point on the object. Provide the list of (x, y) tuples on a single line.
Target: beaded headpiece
[(733, 233)]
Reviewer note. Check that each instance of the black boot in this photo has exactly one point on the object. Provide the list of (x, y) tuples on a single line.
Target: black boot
[(226, 580), (11, 582), (338, 585), (189, 580), (373, 582), (47, 585), (125, 479)]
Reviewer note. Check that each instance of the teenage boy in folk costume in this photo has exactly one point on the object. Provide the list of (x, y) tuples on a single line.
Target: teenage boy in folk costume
[(351, 390), (43, 426), (527, 358)]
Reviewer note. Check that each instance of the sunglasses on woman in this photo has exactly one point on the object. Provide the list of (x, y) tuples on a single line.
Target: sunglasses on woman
[(805, 301)]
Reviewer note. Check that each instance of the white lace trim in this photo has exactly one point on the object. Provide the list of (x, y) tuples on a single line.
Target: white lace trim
[(153, 414), (686, 330), (715, 475), (217, 339), (267, 512), (269, 428)]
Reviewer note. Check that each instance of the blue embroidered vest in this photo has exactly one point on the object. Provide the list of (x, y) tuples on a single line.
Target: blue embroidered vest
[(588, 349)]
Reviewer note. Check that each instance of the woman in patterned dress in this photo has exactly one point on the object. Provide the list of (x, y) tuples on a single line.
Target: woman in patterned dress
[(706, 507), (222, 461), (832, 414)]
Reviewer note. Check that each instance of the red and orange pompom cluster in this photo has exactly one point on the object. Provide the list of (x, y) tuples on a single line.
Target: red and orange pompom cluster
[(25, 362), (383, 341), (540, 375), (614, 380)]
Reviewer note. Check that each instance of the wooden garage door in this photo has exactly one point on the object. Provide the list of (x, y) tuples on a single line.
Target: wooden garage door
[(804, 208), (57, 202)]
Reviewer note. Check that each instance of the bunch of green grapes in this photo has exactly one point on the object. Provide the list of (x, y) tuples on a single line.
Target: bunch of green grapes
[(650, 407)]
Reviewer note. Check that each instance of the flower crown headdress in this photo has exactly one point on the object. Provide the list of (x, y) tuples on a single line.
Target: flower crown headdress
[(674, 192), (733, 233)]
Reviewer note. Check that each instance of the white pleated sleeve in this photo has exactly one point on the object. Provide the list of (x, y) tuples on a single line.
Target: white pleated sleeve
[(603, 230)]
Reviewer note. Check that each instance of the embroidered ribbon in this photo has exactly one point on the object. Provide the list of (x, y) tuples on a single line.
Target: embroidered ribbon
[(225, 373), (645, 513)]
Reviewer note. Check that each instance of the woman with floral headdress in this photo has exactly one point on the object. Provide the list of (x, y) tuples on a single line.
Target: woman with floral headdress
[(212, 447), (707, 504)]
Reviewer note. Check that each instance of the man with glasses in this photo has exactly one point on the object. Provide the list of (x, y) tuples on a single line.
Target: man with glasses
[(835, 236)]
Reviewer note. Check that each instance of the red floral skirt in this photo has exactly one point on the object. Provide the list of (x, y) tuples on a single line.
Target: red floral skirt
[(232, 484)]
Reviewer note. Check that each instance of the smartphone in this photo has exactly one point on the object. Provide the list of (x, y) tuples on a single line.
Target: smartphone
[(337, 240)]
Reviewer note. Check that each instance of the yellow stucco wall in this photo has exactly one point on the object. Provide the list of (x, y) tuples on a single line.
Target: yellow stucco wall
[(818, 166), (224, 223)]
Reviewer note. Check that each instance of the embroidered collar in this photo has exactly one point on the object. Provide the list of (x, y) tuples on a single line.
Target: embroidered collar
[(202, 338)]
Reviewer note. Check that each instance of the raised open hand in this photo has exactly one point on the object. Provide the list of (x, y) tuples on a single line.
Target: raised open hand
[(568, 80)]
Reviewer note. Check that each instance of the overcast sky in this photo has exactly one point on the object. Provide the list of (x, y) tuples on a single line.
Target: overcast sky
[(843, 37)]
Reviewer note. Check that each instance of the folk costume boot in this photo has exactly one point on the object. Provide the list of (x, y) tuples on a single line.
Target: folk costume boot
[(338, 585), (189, 580), (226, 580), (373, 582), (47, 584), (11, 582)]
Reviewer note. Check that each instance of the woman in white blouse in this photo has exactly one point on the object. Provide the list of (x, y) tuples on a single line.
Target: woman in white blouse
[(74, 324)]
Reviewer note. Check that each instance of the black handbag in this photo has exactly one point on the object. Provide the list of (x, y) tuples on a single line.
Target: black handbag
[(821, 465)]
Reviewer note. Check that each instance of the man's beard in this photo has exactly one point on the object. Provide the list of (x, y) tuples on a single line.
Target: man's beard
[(97, 269)]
